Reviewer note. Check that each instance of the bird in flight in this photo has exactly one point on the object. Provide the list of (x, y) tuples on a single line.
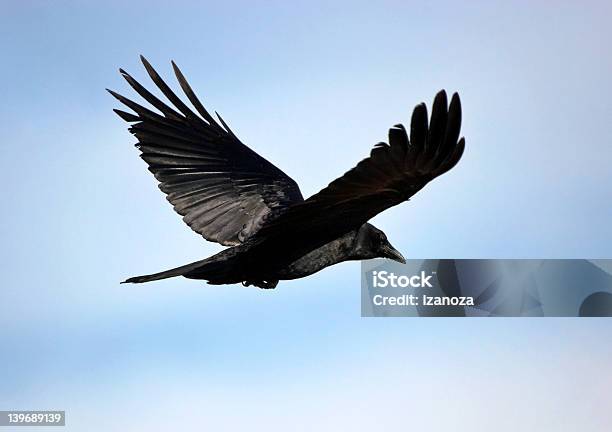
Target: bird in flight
[(229, 194)]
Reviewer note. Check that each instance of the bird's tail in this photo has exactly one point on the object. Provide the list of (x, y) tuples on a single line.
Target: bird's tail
[(217, 269), (179, 271)]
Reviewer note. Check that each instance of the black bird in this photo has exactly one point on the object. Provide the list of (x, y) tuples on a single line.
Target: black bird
[(229, 194)]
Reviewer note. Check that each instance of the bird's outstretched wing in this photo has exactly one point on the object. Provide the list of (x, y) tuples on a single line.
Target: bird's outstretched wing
[(392, 174), (222, 188)]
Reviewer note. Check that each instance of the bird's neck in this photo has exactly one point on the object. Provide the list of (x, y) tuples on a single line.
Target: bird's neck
[(331, 253)]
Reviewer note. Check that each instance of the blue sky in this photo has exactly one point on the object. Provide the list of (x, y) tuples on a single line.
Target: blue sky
[(311, 86)]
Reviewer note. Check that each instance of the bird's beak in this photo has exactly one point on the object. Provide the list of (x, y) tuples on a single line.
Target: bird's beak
[(392, 253)]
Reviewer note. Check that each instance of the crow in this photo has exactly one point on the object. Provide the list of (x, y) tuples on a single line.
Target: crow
[(229, 194)]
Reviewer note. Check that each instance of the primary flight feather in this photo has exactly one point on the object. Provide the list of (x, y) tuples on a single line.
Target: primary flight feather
[(231, 195)]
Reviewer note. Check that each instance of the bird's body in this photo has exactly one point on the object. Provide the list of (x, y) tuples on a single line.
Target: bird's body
[(239, 264), (337, 251), (231, 195)]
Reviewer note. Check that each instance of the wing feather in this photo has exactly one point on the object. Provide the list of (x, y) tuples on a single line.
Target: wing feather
[(392, 174), (223, 189)]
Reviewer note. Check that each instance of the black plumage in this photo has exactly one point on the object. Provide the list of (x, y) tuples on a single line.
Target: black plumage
[(229, 194)]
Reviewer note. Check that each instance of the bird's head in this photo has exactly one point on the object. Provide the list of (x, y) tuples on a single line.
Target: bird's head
[(371, 242)]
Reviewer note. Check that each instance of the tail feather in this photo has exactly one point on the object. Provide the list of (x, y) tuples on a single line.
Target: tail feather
[(179, 271), (222, 268)]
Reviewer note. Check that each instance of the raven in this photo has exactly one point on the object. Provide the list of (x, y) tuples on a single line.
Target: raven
[(229, 194)]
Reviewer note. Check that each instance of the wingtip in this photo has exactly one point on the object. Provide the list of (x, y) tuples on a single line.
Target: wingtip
[(455, 99), (460, 148), (145, 62), (421, 107), (419, 110), (130, 118), (115, 95), (441, 98), (220, 119), (225, 126), (177, 71)]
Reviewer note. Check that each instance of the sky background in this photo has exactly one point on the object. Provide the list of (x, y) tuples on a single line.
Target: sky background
[(311, 86)]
